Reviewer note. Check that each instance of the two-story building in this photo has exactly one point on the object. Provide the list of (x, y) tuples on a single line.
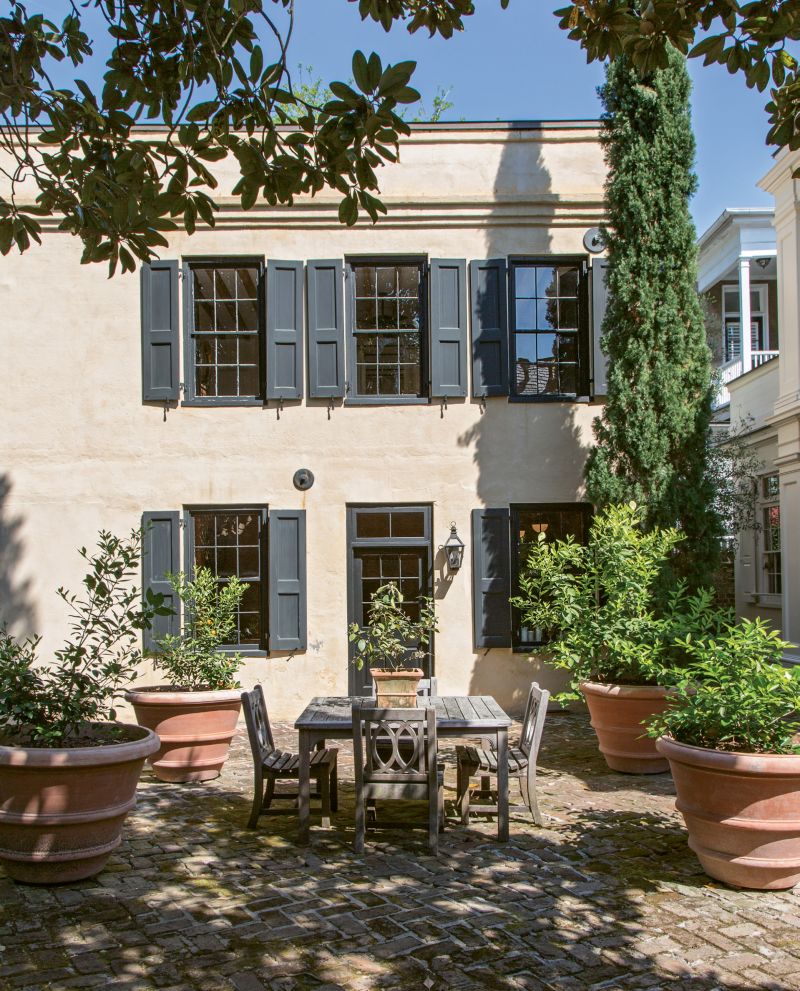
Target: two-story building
[(312, 407)]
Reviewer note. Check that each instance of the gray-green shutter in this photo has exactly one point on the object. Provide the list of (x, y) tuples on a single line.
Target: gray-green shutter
[(489, 291), (325, 329), (160, 331), (448, 293), (599, 304), (287, 579), (491, 576), (160, 557), (284, 330)]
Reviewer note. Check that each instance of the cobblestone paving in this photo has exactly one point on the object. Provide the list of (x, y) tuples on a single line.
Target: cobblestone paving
[(605, 896)]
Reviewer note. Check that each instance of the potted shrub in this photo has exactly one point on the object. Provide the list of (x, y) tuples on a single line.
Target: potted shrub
[(68, 769), (612, 628), (392, 640), (732, 741), (195, 714)]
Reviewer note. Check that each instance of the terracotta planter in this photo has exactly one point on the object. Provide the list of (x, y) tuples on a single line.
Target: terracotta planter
[(396, 689), (195, 729), (742, 812), (616, 713), (62, 810)]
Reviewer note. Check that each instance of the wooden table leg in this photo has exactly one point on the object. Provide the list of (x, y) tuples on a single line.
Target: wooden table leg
[(304, 787), (502, 785)]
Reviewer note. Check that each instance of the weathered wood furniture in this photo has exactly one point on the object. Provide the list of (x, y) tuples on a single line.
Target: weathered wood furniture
[(394, 752), (473, 761), (456, 716), (271, 765)]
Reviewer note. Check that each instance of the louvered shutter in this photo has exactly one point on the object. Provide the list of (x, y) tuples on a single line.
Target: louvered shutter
[(287, 579), (448, 333), (491, 574), (284, 330), (160, 331), (489, 292), (160, 557), (326, 366)]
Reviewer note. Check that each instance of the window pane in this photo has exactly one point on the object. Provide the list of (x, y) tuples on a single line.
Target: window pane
[(386, 280), (568, 314), (546, 348), (203, 283), (526, 314), (389, 348), (389, 380), (372, 524), (366, 318), (367, 380), (408, 524), (568, 281), (365, 280), (569, 380), (248, 381), (247, 315), (247, 287), (225, 283), (408, 280), (568, 347), (227, 381), (387, 314), (226, 562), (248, 562), (248, 350), (205, 381), (525, 282), (227, 351), (204, 317), (206, 351), (409, 314), (526, 347), (409, 380), (203, 529), (546, 281)]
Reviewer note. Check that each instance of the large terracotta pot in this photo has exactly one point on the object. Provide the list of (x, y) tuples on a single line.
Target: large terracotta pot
[(396, 689), (616, 713), (195, 729), (62, 810), (742, 812)]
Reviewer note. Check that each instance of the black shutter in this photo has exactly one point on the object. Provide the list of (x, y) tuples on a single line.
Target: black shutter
[(599, 304), (448, 290), (489, 289), (325, 329), (287, 579), (160, 331), (491, 576), (284, 330), (160, 557)]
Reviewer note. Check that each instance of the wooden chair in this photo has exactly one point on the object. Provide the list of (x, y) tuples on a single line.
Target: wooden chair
[(473, 761), (271, 765), (409, 770)]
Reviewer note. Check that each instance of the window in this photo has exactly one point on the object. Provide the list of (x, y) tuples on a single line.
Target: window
[(555, 521), (233, 542), (771, 522), (225, 330), (759, 321), (549, 330), (387, 544), (387, 360)]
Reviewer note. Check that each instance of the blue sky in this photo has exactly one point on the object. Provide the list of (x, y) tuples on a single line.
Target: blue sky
[(516, 65)]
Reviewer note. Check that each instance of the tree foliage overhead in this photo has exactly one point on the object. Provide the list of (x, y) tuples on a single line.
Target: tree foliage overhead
[(200, 69), (745, 37), (653, 435)]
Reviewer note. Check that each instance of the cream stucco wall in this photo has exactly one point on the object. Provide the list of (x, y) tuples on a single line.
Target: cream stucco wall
[(80, 451)]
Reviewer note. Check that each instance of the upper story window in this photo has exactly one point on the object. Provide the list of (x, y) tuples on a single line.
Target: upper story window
[(387, 352), (556, 522), (549, 329), (225, 329), (771, 522), (759, 320), (232, 542)]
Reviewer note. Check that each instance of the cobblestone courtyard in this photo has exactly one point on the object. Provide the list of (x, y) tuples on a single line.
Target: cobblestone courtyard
[(607, 895)]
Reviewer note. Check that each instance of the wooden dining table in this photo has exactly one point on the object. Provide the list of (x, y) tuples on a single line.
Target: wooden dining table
[(467, 716)]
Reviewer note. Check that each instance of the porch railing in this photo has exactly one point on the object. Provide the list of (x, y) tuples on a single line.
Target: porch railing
[(734, 369)]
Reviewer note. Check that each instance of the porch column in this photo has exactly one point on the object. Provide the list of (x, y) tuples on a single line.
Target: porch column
[(745, 319)]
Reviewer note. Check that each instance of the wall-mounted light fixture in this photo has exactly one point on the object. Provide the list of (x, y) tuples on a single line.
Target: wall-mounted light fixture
[(763, 262), (454, 548)]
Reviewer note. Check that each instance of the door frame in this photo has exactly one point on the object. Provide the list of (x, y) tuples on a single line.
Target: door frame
[(357, 680)]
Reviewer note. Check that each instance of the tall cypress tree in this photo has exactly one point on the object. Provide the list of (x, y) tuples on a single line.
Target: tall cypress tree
[(652, 438)]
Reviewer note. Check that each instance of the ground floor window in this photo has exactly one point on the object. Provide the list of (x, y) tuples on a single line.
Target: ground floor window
[(387, 544), (556, 521), (232, 542), (771, 528)]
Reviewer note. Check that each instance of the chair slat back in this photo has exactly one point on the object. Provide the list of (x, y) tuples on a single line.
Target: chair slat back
[(258, 728), (533, 721), (427, 687), (394, 745)]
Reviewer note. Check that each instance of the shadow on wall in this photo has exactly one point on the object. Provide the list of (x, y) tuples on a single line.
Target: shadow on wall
[(511, 441), (17, 610)]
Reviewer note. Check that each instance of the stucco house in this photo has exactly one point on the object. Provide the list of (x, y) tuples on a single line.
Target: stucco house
[(748, 272), (311, 407)]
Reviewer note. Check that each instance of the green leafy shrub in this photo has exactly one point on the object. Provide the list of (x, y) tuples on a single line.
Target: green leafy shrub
[(602, 607), (56, 705), (735, 694), (193, 659), (393, 640)]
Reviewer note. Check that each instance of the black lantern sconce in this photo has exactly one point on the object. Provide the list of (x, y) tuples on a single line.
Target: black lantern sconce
[(454, 548)]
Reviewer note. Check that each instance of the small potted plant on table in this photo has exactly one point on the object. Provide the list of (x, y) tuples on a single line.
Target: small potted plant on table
[(68, 769), (390, 641), (599, 605), (732, 738), (195, 714)]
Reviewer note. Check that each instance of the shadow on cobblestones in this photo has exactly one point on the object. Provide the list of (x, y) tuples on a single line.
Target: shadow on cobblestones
[(606, 896)]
